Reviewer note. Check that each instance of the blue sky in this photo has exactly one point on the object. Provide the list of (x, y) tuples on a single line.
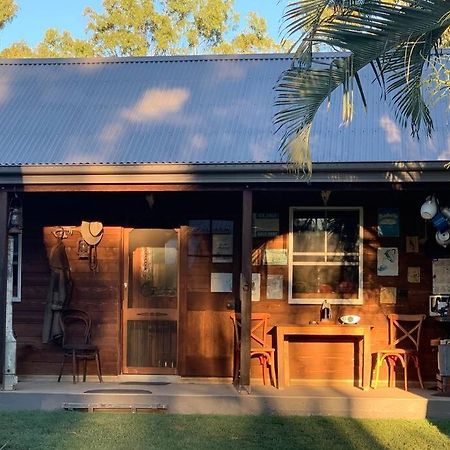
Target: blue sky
[(35, 16)]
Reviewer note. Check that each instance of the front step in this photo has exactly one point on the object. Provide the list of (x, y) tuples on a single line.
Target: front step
[(115, 407)]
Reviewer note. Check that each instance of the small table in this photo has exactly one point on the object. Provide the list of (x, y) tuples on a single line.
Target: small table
[(361, 334)]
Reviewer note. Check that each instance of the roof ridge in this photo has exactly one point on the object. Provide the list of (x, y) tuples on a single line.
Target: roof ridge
[(142, 59)]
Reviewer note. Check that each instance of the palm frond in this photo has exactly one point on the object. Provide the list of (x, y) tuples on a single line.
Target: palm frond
[(395, 38)]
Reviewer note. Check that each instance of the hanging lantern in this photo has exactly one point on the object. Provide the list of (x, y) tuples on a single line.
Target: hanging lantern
[(15, 219), (83, 249)]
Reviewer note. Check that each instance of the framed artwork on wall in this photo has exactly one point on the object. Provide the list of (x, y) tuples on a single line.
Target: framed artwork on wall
[(388, 222)]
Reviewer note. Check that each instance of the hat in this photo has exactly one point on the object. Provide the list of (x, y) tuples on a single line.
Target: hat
[(92, 232)]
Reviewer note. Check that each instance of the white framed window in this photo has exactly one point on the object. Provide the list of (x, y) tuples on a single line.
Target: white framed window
[(326, 255)]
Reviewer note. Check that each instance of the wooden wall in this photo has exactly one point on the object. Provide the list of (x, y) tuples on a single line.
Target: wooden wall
[(205, 327), (315, 360), (97, 292)]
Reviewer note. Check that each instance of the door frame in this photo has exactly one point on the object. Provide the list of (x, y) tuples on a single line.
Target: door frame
[(123, 317)]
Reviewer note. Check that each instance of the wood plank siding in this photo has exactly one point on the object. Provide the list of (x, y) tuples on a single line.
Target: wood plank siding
[(205, 328)]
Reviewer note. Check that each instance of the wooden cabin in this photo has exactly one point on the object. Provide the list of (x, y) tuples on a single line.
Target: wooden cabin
[(177, 160)]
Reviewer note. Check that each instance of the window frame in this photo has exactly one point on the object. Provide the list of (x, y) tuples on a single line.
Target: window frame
[(291, 264)]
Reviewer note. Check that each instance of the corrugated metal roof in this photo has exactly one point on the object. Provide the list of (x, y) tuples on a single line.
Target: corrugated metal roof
[(205, 109)]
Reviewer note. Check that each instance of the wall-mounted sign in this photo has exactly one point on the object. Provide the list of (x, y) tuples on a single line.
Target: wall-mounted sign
[(388, 222), (221, 282), (388, 295), (256, 287), (275, 257), (441, 276), (274, 287), (412, 244), (266, 224), (222, 248), (222, 227), (387, 261), (413, 274), (200, 226)]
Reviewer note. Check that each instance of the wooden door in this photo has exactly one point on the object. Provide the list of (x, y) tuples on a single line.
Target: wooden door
[(150, 308)]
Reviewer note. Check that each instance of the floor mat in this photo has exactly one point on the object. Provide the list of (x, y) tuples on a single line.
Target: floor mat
[(442, 394), (145, 383), (117, 391)]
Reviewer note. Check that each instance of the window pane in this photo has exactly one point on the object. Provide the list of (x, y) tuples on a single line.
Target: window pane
[(342, 231), (309, 231), (325, 282)]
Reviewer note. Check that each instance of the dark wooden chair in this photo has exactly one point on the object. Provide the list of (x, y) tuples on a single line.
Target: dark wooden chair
[(404, 344), (259, 346), (76, 342)]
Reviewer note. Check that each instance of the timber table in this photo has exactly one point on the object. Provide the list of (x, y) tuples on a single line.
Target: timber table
[(360, 333)]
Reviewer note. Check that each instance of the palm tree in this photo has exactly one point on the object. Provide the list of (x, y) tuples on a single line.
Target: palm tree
[(397, 38)]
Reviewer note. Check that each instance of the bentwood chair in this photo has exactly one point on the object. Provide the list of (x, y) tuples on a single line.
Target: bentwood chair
[(259, 346), (404, 344), (76, 342)]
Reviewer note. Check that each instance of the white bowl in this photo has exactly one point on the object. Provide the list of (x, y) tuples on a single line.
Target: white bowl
[(350, 319)]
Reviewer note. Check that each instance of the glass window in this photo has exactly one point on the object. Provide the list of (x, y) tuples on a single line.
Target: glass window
[(326, 255)]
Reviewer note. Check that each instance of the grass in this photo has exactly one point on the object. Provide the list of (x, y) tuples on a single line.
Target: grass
[(74, 430)]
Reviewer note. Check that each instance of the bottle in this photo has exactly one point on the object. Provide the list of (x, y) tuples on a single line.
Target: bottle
[(325, 311)]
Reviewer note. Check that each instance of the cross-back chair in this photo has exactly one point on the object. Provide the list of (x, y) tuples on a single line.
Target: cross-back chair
[(259, 345), (76, 342), (404, 344)]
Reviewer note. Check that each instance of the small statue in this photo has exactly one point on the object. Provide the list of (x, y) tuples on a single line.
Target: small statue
[(325, 311)]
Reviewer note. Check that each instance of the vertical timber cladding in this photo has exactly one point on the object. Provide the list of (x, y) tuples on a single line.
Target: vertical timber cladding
[(210, 273), (312, 359), (97, 293)]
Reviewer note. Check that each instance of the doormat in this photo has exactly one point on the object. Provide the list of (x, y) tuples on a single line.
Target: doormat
[(145, 383), (442, 394), (117, 391)]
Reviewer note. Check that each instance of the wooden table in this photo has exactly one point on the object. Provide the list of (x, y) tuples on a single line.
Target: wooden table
[(360, 333)]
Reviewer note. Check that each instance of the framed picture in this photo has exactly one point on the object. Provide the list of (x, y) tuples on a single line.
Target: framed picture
[(274, 287), (266, 224), (387, 261), (388, 222), (388, 295), (221, 282), (256, 287)]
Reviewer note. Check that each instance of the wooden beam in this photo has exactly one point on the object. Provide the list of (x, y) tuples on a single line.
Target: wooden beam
[(246, 290), (183, 271), (3, 276)]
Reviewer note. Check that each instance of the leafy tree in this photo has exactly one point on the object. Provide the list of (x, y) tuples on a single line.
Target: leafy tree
[(396, 38), (18, 50), (156, 27), (8, 9), (142, 27), (62, 45), (254, 39)]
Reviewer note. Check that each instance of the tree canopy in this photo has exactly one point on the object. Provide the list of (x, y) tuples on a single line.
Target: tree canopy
[(8, 9), (398, 39), (155, 27)]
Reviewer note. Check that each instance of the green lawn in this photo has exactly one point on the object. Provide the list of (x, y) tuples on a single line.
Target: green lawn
[(76, 430)]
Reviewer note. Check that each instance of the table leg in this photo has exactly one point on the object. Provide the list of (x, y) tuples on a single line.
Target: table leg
[(280, 359), (367, 361)]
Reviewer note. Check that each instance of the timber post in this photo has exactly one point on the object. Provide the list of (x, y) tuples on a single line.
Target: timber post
[(246, 290), (3, 278)]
